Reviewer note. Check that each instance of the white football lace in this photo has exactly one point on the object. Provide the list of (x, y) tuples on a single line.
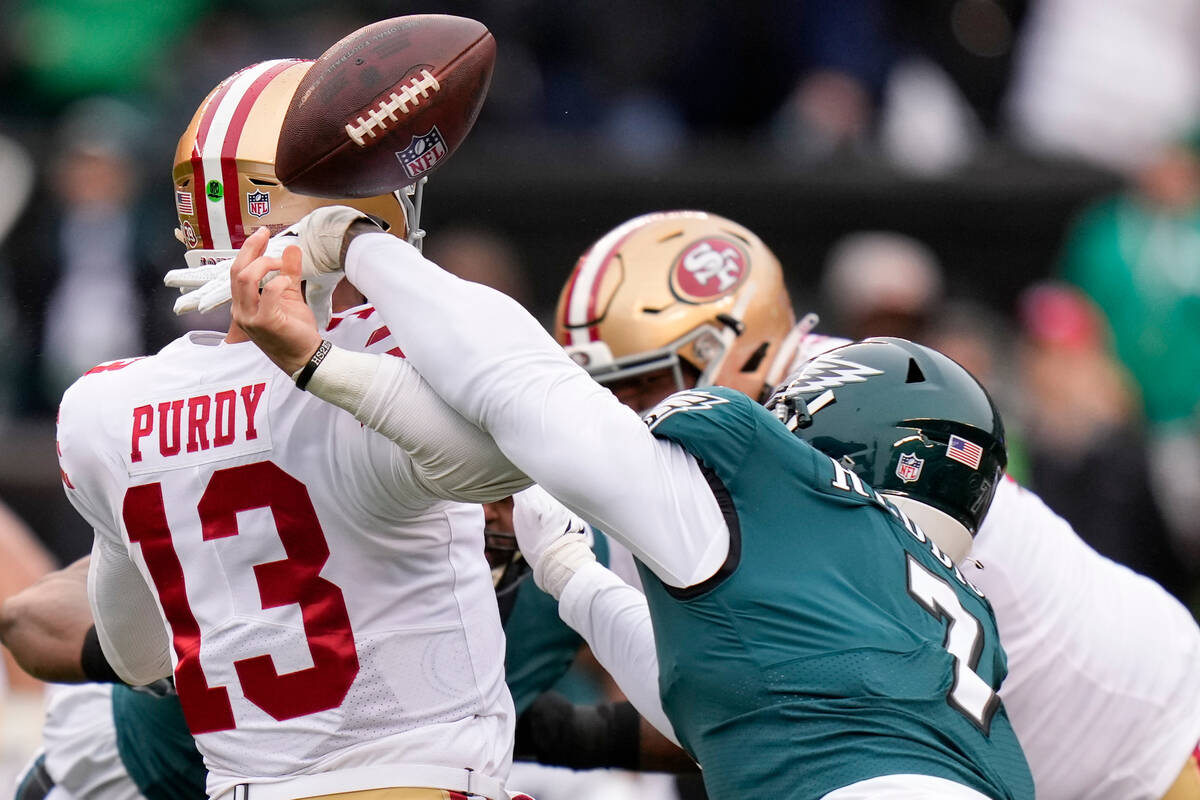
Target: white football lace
[(411, 93)]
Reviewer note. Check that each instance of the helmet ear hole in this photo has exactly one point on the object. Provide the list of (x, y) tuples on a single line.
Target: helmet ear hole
[(755, 359), (914, 372)]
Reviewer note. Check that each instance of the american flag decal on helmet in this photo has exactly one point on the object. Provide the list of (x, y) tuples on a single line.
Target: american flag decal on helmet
[(183, 202), (964, 452)]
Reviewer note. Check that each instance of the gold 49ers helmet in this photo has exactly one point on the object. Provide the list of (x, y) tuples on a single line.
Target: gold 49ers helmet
[(224, 175), (673, 288)]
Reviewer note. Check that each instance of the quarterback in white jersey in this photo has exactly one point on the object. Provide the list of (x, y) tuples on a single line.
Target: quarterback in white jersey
[(318, 592), (327, 609)]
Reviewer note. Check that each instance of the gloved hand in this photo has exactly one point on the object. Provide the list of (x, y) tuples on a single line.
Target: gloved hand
[(554, 541), (321, 235)]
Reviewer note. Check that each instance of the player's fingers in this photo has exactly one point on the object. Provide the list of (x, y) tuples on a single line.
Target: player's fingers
[(253, 247), (247, 259), (293, 263), (244, 282), (272, 293)]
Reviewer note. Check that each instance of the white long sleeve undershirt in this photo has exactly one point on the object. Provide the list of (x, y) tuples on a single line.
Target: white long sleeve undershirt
[(452, 458), (614, 619), (495, 364)]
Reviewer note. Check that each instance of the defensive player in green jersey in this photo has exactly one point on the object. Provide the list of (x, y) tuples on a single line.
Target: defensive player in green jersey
[(865, 666)]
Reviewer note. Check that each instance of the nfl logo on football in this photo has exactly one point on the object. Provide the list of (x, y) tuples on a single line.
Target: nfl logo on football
[(423, 153), (258, 204), (909, 468)]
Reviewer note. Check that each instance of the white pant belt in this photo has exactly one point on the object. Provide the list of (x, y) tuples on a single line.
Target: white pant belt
[(384, 776)]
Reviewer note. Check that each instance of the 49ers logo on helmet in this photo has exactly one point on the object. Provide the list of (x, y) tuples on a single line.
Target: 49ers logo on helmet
[(189, 234), (707, 269)]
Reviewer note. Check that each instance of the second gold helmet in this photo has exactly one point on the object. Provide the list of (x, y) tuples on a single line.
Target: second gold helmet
[(677, 287)]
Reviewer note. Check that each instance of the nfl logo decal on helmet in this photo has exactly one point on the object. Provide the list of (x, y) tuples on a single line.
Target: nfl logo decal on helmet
[(908, 469), (258, 204)]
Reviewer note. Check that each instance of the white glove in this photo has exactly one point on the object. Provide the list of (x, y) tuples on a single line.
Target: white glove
[(202, 287), (319, 235), (554, 541)]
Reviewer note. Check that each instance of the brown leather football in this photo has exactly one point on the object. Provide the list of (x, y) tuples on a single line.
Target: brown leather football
[(385, 106)]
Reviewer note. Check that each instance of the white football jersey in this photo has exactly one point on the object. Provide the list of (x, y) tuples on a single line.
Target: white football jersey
[(326, 611), (1103, 687)]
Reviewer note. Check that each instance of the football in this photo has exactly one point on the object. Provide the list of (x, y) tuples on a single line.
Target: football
[(385, 106)]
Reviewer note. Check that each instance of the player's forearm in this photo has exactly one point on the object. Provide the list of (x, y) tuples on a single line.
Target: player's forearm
[(455, 459), (44, 625), (497, 367), (614, 619)]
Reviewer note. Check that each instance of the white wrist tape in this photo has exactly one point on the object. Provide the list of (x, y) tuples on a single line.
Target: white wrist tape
[(344, 378), (560, 561)]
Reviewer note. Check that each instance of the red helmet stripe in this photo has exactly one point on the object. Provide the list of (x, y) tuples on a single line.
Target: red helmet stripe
[(222, 125), (594, 294), (233, 135), (198, 179), (566, 320), (584, 293)]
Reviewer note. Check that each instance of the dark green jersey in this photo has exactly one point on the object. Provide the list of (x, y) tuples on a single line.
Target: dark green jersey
[(837, 643), (539, 646), (156, 746)]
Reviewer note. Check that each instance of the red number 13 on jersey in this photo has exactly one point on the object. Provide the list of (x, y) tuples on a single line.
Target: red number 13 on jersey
[(292, 580)]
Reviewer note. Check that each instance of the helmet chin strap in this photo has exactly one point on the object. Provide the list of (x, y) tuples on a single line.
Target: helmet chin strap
[(411, 198), (950, 535), (731, 328), (789, 348)]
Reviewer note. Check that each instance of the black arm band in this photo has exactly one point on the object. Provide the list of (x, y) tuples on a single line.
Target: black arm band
[(553, 731), (306, 374), (95, 666)]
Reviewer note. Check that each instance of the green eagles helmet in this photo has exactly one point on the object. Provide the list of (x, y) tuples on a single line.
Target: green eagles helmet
[(906, 419)]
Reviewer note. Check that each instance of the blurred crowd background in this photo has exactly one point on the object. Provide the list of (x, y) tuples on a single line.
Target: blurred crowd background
[(1014, 182)]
